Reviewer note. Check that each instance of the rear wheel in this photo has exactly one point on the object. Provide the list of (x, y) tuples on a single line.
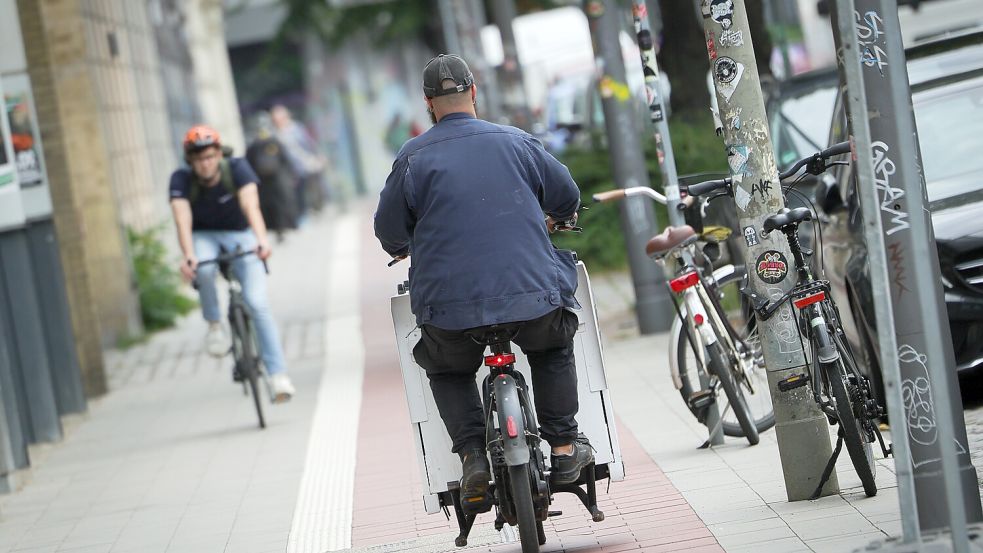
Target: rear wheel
[(525, 513), (754, 390), (248, 364), (848, 406)]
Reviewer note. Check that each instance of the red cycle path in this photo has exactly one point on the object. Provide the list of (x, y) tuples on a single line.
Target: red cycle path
[(642, 513)]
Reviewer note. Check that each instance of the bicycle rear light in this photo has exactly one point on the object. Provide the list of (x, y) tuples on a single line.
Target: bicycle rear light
[(810, 299), (681, 283), (499, 360), (510, 427)]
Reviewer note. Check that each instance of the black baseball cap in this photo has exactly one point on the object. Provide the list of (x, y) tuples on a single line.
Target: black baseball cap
[(442, 68)]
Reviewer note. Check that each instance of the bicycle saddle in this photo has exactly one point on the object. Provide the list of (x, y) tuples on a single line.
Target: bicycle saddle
[(664, 242), (786, 217), (494, 334)]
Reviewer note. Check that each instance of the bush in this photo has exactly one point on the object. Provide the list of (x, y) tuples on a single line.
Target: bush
[(602, 246), (159, 284)]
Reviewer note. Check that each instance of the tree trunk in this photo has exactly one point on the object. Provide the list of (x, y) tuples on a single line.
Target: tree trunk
[(683, 56)]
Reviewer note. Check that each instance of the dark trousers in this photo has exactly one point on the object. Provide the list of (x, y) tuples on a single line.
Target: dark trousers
[(451, 359)]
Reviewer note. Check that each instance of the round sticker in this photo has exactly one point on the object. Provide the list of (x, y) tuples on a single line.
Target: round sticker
[(722, 11), (771, 267), (725, 69)]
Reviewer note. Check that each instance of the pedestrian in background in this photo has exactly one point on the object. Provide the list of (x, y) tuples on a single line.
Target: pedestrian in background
[(276, 195), (307, 163)]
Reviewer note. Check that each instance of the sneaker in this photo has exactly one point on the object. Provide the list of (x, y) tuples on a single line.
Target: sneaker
[(566, 468), (217, 341), (283, 389), (475, 480)]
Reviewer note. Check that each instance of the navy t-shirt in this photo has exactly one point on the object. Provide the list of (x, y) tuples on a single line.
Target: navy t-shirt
[(215, 208)]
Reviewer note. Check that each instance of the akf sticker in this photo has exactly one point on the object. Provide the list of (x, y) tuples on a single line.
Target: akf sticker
[(722, 11), (728, 73), (771, 267), (750, 236)]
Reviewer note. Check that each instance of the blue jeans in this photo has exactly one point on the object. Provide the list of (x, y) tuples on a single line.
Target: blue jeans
[(249, 270)]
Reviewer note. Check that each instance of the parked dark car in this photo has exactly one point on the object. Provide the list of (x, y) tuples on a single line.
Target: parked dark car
[(946, 78)]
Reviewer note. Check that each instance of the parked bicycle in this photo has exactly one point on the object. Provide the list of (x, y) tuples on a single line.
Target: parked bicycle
[(712, 325), (839, 388), (248, 367)]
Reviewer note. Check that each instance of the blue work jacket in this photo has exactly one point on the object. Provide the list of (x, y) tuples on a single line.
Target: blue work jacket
[(466, 199)]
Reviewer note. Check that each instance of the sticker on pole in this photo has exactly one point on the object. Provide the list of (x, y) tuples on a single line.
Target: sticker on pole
[(728, 73), (771, 266), (722, 11), (750, 236), (731, 39)]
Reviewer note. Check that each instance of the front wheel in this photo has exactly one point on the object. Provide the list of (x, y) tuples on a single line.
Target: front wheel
[(525, 513), (248, 363)]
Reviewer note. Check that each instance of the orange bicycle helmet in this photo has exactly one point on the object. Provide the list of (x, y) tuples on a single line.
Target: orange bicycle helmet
[(200, 137)]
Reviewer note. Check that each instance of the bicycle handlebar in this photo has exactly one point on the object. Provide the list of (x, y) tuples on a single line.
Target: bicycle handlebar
[(815, 164), (227, 257), (619, 193), (703, 188)]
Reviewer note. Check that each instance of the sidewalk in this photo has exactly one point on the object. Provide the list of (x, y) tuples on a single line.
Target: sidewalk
[(172, 461)]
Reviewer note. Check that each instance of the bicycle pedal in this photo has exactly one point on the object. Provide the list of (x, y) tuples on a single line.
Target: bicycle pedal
[(477, 504), (793, 382), (701, 399), (554, 513)]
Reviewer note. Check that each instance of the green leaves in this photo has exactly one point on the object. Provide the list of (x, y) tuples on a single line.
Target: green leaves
[(158, 283)]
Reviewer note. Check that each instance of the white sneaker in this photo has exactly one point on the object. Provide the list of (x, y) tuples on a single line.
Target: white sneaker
[(217, 341), (283, 389)]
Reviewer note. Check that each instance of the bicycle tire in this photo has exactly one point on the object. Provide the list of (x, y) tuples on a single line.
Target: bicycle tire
[(248, 363), (525, 513), (734, 394), (686, 367), (856, 446)]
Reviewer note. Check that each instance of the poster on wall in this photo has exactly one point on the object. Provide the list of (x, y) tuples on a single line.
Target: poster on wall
[(11, 206), (23, 131), (25, 138)]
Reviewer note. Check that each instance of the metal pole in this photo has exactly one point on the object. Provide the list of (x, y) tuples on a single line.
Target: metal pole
[(469, 16), (638, 219), (449, 26), (849, 61), (802, 429), (667, 161), (934, 420), (514, 93)]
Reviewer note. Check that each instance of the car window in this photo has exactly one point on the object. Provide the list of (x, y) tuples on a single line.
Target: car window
[(951, 144), (801, 124)]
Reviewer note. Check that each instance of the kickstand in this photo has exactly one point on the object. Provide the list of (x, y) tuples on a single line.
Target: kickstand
[(588, 498), (829, 465), (715, 429), (464, 520)]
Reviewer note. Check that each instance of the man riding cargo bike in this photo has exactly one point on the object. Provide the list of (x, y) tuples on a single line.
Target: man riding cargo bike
[(466, 200)]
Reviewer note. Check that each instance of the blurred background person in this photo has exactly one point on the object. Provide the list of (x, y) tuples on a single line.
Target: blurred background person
[(269, 159), (307, 163)]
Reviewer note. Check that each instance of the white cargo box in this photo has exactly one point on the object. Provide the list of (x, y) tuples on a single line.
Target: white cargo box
[(433, 446)]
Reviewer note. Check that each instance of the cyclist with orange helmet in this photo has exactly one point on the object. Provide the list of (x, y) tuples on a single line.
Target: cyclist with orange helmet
[(215, 202)]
